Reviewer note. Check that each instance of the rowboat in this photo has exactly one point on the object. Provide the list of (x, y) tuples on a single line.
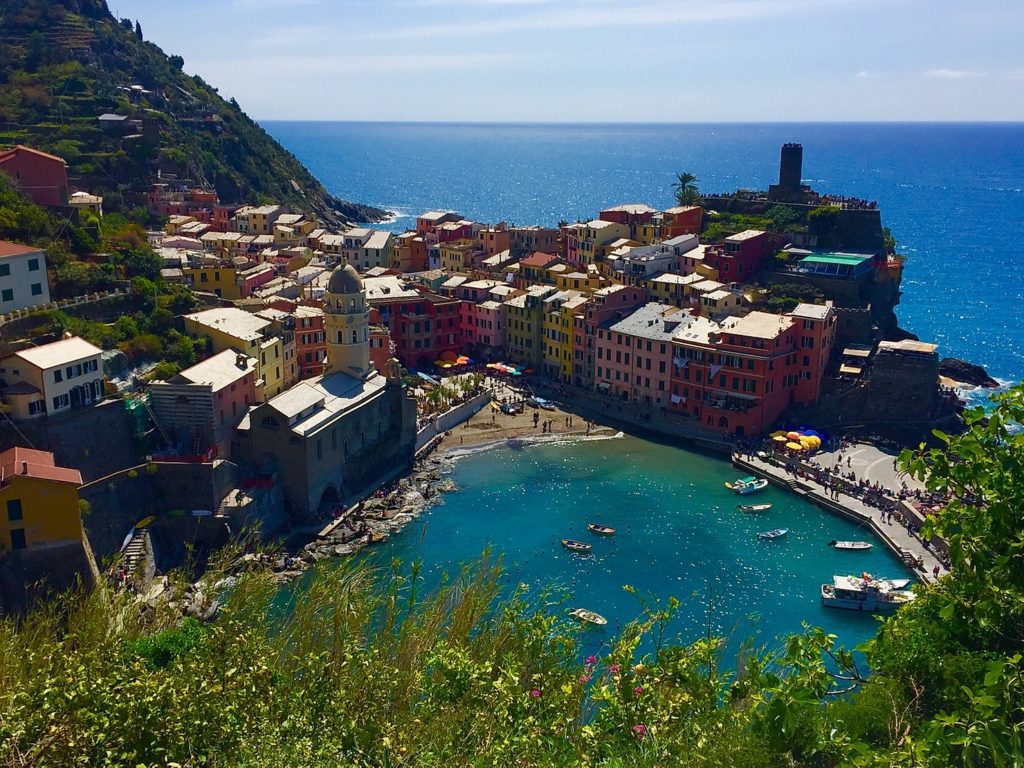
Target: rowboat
[(601, 530), (747, 485), (588, 617), (576, 546), (851, 545), (753, 507), (775, 533)]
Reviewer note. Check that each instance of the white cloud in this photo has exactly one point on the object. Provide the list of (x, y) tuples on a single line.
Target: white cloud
[(277, 66), (865, 74), (593, 15), (951, 74)]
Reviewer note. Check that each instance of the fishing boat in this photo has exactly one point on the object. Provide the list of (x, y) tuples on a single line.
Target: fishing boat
[(601, 530), (864, 593), (746, 485), (753, 507), (588, 617), (576, 546), (774, 533), (850, 545)]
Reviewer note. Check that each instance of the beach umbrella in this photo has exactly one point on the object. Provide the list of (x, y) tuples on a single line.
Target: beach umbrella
[(793, 435), (463, 360), (449, 356), (815, 441), (794, 446), (780, 438), (778, 433)]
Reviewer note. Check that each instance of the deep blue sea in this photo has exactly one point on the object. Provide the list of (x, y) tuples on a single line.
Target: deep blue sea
[(953, 194)]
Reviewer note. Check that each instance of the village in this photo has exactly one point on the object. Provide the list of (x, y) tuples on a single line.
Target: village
[(330, 359)]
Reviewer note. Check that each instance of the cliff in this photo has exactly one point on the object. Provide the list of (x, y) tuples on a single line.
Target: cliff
[(64, 63)]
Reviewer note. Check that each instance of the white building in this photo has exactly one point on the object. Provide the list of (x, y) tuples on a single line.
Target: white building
[(52, 378), (22, 277)]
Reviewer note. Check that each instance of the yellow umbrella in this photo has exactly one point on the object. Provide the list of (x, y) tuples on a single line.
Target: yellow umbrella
[(815, 441), (780, 438), (778, 433), (794, 446)]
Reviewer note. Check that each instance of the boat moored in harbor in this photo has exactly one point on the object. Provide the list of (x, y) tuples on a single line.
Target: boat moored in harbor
[(746, 485), (576, 546), (865, 593), (850, 545), (775, 533), (601, 530), (588, 617), (753, 507)]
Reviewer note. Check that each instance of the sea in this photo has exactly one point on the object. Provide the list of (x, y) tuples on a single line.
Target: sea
[(953, 196)]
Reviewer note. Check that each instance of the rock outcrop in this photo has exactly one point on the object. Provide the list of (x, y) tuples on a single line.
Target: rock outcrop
[(966, 373)]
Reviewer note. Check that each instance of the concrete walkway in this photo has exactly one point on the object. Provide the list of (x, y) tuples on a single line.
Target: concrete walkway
[(892, 534)]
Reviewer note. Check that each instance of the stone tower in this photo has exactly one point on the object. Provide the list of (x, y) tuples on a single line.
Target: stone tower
[(347, 325), (791, 167)]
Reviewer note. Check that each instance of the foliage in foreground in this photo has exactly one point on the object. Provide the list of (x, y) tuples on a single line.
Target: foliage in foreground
[(359, 668)]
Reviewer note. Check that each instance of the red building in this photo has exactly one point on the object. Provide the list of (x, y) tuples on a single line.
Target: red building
[(742, 255), (222, 215), (310, 340), (423, 325), (39, 176), (741, 376), (629, 215), (682, 220)]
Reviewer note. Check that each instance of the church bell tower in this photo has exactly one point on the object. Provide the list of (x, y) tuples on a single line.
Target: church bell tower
[(347, 325)]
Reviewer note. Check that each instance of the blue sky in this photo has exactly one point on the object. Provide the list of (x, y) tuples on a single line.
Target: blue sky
[(601, 60)]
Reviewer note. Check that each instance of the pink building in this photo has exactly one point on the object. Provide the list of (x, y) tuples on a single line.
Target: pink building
[(634, 355), (41, 177), (606, 305), (489, 329)]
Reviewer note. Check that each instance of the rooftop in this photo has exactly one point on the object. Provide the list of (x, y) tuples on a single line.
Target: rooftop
[(31, 150), (317, 403), (15, 249), (757, 325), (232, 321), (38, 464), (538, 259), (220, 371), (812, 311), (659, 322), (433, 215), (850, 259), (59, 353), (908, 345), (681, 209), (747, 234), (388, 287), (379, 239), (633, 208)]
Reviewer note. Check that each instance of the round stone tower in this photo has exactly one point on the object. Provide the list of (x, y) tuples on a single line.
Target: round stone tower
[(347, 324)]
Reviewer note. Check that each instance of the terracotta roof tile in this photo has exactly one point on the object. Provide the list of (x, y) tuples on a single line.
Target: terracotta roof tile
[(37, 464)]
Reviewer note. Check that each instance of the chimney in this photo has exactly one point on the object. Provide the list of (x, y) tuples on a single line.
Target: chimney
[(240, 361)]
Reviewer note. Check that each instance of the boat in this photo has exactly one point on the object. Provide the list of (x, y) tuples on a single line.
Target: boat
[(753, 507), (576, 546), (774, 533), (864, 593), (747, 485), (601, 530), (851, 545), (588, 617)]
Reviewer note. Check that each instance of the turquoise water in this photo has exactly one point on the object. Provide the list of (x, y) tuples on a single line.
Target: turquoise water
[(679, 534)]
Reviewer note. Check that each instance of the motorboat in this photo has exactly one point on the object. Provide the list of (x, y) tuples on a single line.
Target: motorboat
[(850, 545), (774, 533), (753, 507), (576, 546), (588, 617), (601, 530), (747, 485), (864, 593)]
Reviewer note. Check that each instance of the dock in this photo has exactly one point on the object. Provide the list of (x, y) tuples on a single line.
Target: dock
[(892, 534)]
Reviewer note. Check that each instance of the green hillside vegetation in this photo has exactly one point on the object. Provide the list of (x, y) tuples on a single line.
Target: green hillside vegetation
[(63, 63), (363, 667)]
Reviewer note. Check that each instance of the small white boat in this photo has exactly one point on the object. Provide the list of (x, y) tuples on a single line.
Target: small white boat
[(864, 593), (753, 507), (850, 545), (775, 533), (576, 546), (747, 485), (588, 617), (601, 530)]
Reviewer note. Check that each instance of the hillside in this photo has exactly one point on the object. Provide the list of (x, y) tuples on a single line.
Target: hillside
[(63, 63)]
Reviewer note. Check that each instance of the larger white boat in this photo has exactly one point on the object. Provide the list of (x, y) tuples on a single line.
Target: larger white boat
[(866, 593), (747, 485)]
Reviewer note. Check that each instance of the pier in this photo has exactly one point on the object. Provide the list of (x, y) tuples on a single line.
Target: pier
[(894, 535)]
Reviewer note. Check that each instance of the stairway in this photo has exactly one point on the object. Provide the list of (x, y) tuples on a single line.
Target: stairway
[(136, 552)]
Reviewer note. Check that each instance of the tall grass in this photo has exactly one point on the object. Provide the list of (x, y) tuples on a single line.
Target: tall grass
[(360, 668)]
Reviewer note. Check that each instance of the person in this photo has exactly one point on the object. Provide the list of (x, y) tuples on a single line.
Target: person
[(935, 571)]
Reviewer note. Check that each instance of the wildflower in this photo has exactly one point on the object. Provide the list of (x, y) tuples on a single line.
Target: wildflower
[(591, 659), (584, 679), (639, 730), (535, 693), (614, 669), (638, 690)]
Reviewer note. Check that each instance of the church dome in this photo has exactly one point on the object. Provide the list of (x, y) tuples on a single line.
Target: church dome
[(345, 280)]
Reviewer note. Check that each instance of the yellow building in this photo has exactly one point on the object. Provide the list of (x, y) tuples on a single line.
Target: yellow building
[(524, 326), (456, 256), (38, 501), (560, 310), (219, 280), (586, 282), (235, 329)]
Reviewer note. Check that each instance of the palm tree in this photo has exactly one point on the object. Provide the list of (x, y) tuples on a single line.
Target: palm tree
[(686, 189)]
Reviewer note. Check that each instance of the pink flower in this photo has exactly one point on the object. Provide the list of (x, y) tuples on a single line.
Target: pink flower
[(591, 659), (638, 690), (614, 669), (639, 730), (535, 693), (584, 679)]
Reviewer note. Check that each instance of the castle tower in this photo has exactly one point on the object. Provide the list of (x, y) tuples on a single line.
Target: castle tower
[(791, 167), (347, 324)]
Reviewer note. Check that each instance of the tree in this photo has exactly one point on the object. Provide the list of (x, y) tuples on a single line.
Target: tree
[(686, 189), (138, 30), (176, 61)]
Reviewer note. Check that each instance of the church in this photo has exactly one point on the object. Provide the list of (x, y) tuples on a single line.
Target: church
[(328, 439)]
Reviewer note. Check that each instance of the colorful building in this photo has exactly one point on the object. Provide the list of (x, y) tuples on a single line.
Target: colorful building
[(41, 177), (409, 253), (741, 256), (423, 325), (38, 501), (560, 312), (237, 330), (589, 242), (606, 305), (23, 281), (524, 327)]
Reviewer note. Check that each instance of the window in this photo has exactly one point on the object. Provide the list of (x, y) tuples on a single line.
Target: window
[(18, 538), (37, 407), (58, 376), (61, 401), (5, 270), (7, 295), (14, 510)]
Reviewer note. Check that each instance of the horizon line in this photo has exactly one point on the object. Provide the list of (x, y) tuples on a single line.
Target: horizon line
[(636, 123)]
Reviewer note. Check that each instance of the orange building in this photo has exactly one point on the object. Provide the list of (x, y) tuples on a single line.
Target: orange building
[(39, 176)]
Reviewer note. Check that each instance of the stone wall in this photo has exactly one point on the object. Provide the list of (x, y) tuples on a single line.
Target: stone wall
[(30, 574), (451, 418)]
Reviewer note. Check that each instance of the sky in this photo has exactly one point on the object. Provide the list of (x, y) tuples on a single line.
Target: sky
[(600, 60)]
